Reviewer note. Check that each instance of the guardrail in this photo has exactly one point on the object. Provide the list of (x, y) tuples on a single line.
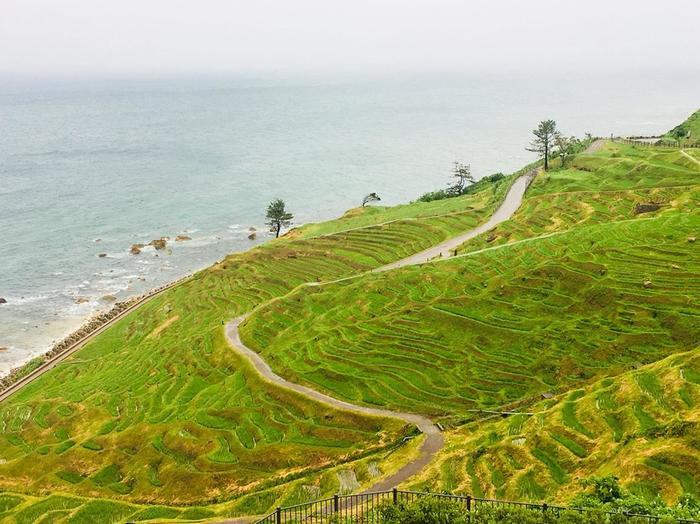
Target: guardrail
[(363, 508)]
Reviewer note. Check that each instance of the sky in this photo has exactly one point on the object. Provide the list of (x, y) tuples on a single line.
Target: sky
[(113, 37)]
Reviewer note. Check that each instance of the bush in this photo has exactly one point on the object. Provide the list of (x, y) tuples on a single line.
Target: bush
[(425, 510), (433, 509), (442, 194)]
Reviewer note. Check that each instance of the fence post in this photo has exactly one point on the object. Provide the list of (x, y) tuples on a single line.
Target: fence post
[(395, 495), (278, 515), (544, 507), (336, 503), (469, 502)]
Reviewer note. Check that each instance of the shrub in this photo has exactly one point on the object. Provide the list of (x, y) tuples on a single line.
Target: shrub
[(425, 510)]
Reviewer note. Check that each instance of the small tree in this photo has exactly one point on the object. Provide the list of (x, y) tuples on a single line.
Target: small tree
[(565, 146), (544, 137), (372, 197), (462, 174), (679, 133), (277, 216)]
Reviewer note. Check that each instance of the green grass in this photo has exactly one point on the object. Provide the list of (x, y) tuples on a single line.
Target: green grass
[(484, 330), (600, 188), (163, 400), (663, 460), (158, 409)]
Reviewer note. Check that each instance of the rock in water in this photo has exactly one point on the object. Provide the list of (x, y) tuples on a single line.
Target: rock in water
[(252, 229), (182, 238), (102, 255), (3, 301), (109, 298), (159, 243), (135, 249), (82, 300), (252, 236)]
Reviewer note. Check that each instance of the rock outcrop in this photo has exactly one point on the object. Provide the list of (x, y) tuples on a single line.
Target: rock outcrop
[(646, 208), (159, 243)]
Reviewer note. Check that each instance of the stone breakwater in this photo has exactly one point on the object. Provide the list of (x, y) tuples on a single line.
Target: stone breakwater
[(89, 328)]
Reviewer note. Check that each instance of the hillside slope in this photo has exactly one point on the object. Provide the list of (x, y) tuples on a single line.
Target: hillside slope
[(573, 293), (642, 426), (159, 409)]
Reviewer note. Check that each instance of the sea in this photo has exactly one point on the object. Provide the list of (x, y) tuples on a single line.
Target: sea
[(90, 166)]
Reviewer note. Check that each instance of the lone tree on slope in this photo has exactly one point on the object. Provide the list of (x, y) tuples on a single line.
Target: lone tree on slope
[(566, 146), (277, 216), (372, 197), (462, 174), (544, 138)]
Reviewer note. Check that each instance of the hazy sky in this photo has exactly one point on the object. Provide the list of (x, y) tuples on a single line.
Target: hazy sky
[(169, 36)]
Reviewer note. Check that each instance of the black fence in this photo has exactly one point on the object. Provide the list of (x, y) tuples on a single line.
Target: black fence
[(363, 508)]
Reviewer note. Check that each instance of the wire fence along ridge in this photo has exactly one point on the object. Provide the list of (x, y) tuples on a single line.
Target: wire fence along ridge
[(363, 508)]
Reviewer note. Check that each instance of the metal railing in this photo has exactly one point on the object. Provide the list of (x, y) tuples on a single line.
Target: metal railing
[(364, 508)]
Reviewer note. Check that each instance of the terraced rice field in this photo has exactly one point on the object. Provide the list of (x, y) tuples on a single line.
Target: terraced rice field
[(496, 326), (68, 508), (641, 426), (599, 188), (158, 409)]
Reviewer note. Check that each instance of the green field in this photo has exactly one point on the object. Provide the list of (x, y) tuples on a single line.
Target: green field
[(588, 293), (641, 426), (602, 187), (496, 326), (598, 273), (159, 409)]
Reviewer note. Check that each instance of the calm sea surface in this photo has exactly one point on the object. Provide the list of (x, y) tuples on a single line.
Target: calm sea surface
[(90, 167)]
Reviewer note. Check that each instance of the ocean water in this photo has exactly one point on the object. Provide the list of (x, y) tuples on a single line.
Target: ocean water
[(91, 166)]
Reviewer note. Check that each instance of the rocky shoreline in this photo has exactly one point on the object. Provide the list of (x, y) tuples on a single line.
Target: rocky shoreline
[(88, 328)]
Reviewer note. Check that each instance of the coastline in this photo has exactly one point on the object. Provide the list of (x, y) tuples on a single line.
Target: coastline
[(99, 320), (92, 327)]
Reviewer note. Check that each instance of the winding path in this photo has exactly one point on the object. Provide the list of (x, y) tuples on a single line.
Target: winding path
[(434, 440)]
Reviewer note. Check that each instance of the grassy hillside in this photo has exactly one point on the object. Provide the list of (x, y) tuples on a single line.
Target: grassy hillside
[(597, 274), (159, 409), (499, 325), (602, 187), (642, 426), (691, 128)]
